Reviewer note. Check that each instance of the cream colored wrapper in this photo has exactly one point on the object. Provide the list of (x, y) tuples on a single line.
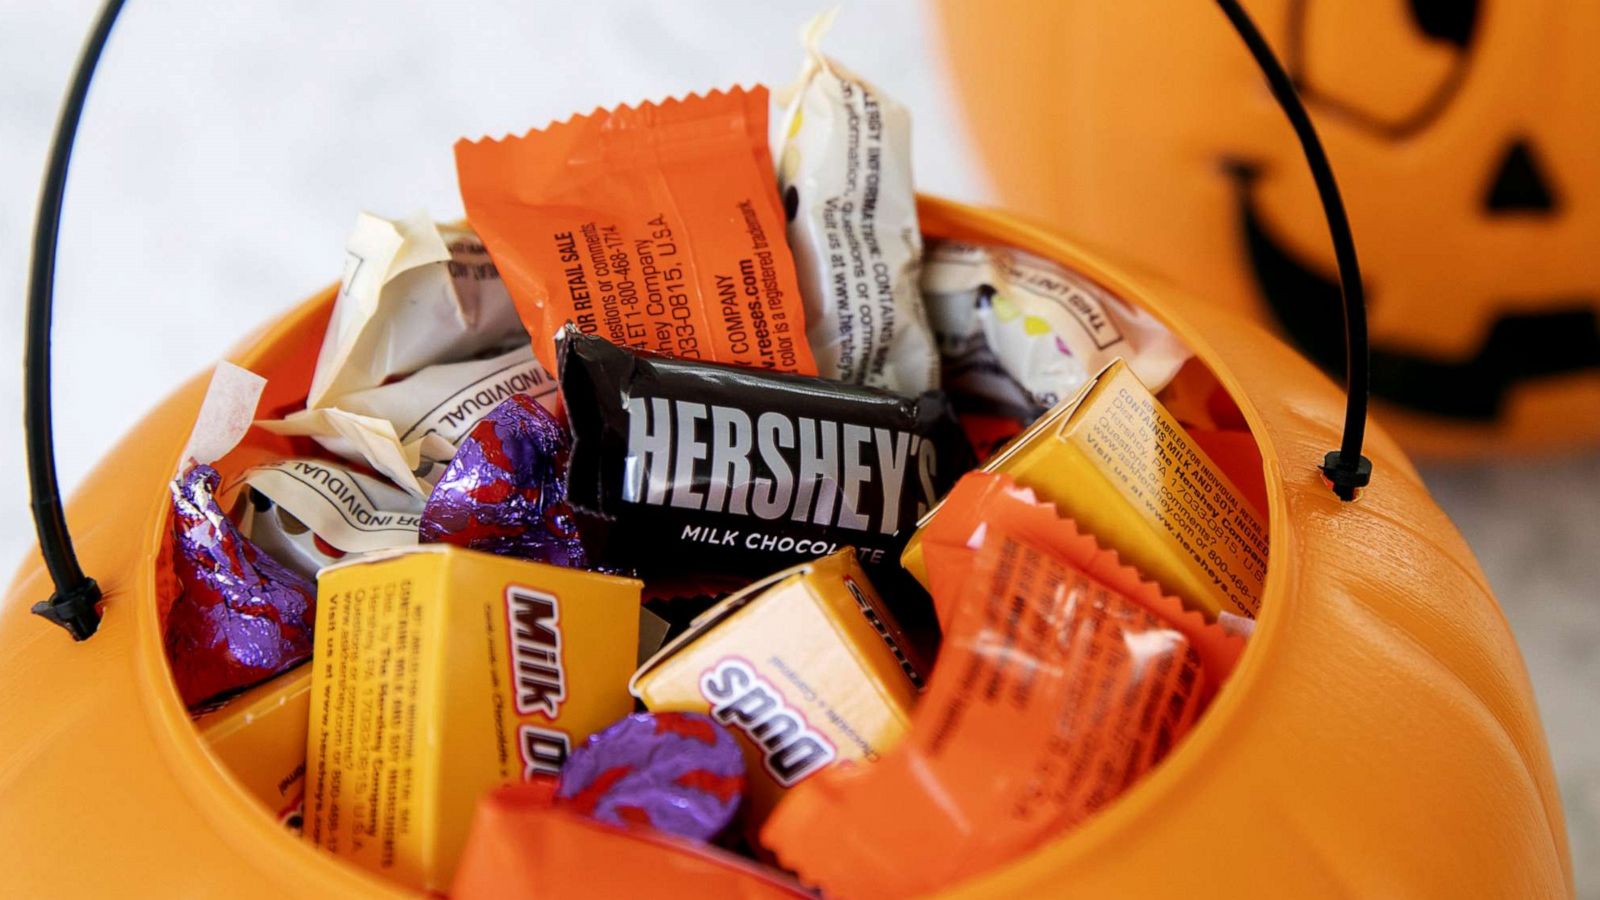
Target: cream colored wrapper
[(353, 512), (409, 429), (390, 388), (413, 294), (319, 511), (845, 174), (224, 416), (1023, 333)]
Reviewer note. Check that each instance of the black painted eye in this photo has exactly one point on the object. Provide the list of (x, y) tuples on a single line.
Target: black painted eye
[(791, 203), (1452, 21), (1388, 66)]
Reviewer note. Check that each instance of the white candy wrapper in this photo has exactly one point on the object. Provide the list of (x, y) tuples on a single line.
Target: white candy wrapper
[(408, 429), (224, 416), (845, 174), (1020, 333), (309, 513), (402, 374), (413, 294)]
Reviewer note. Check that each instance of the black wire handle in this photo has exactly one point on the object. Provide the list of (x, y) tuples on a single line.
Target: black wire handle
[(74, 605), (1345, 469)]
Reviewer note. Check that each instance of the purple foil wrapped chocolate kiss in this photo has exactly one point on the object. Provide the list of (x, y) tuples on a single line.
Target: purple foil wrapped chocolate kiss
[(677, 772), (241, 616), (505, 491)]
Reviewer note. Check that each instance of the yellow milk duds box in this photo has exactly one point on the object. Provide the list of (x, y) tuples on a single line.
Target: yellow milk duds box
[(806, 667), (1114, 460), (438, 673), (260, 736)]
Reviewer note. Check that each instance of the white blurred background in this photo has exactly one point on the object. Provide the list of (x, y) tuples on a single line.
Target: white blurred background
[(227, 148)]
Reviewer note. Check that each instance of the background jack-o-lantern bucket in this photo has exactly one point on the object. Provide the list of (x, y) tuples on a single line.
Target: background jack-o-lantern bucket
[(1378, 737), (1463, 132)]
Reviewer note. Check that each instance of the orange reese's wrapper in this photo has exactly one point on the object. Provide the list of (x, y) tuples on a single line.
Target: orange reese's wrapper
[(656, 227)]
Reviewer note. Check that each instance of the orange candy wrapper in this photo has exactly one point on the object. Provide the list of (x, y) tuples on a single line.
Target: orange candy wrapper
[(1086, 686), (656, 227), (523, 846), (982, 502)]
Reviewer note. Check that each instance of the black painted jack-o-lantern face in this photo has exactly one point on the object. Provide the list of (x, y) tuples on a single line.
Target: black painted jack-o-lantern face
[(1463, 134), (1387, 72)]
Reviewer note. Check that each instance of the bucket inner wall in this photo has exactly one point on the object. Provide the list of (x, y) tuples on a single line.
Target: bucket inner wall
[(286, 357)]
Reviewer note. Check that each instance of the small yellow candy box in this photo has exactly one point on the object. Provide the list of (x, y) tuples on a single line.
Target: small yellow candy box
[(439, 673), (260, 736), (1115, 461), (806, 667)]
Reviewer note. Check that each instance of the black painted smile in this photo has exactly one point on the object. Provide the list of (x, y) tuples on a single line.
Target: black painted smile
[(1564, 339)]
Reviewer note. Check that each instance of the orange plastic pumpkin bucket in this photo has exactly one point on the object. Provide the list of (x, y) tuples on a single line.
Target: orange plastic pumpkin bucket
[(1379, 735)]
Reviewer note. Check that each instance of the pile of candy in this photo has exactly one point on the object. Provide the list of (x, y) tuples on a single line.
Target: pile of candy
[(654, 499)]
